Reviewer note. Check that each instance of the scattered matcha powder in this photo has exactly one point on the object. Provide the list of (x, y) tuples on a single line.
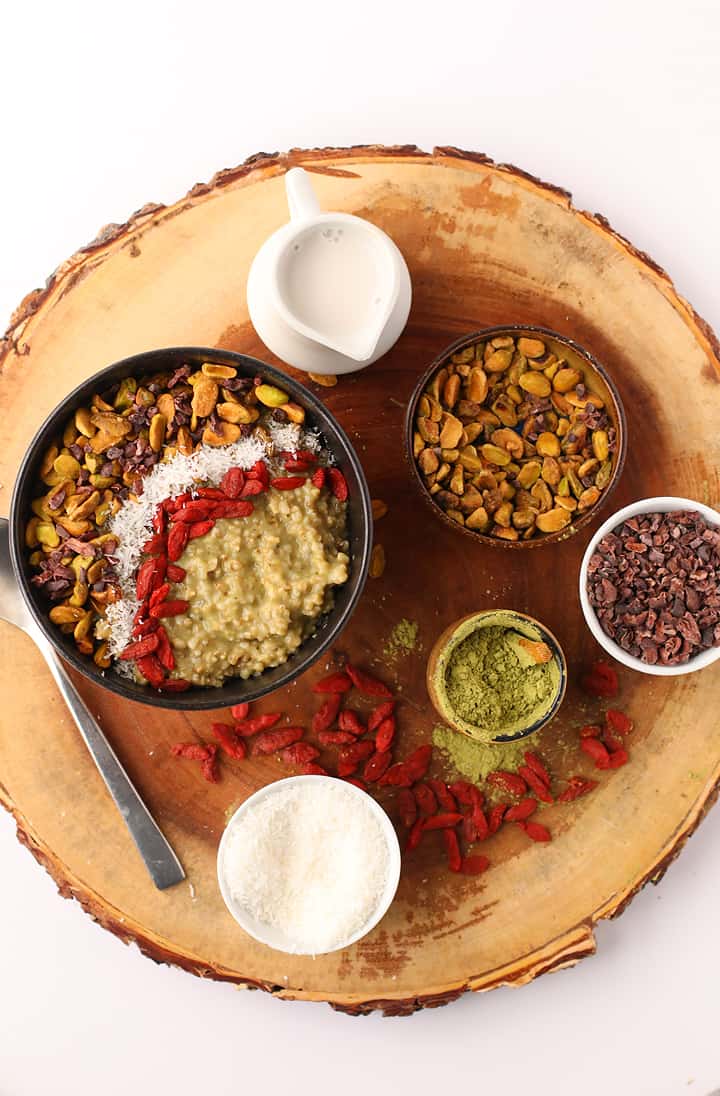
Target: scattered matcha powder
[(473, 759), (488, 687), (403, 639)]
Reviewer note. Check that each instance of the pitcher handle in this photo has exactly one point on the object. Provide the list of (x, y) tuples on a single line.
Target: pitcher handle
[(301, 199)]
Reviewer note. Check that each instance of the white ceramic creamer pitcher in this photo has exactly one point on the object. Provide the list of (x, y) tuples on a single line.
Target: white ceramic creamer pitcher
[(327, 292)]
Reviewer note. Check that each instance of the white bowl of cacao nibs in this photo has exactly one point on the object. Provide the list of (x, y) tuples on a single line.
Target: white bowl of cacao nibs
[(650, 586)]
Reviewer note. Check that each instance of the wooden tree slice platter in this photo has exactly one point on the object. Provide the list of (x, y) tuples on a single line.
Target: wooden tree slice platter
[(485, 244)]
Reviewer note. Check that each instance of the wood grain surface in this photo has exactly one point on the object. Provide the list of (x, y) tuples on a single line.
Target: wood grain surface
[(485, 244)]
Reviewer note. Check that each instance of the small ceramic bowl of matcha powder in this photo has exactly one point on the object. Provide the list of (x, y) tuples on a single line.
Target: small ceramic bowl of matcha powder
[(496, 675)]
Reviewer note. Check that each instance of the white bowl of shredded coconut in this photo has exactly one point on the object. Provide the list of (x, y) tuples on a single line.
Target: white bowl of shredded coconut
[(309, 865)]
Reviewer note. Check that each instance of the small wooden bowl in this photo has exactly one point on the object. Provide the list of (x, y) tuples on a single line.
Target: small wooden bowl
[(599, 380), (456, 632)]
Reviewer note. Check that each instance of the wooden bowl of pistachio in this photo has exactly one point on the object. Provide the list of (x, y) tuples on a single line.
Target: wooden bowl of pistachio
[(516, 436)]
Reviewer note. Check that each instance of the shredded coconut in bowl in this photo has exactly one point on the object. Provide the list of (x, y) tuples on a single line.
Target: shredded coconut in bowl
[(309, 862)]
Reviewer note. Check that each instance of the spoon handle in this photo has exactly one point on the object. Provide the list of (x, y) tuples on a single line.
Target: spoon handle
[(159, 858)]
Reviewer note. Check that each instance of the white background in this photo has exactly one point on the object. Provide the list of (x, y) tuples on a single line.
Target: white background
[(107, 106)]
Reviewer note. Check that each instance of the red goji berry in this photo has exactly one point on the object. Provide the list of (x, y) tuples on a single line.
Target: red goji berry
[(169, 609), (260, 472), (233, 508), (508, 782), (200, 528), (313, 769), (177, 541), (611, 741), (415, 836), (469, 829), (287, 483), (533, 762), (577, 786), (535, 783), (590, 731), (408, 807), (464, 792), (246, 727), (377, 766), (143, 647), (159, 520), (191, 751), (378, 714), (349, 757), (233, 482), (348, 720), (474, 865), (301, 753), (297, 466), (619, 721), (192, 511), (596, 751), (268, 742), (398, 776), (155, 545), (327, 713), (318, 478), (442, 821), (496, 816), (367, 684), (159, 595), (385, 733), (231, 744), (175, 573), (337, 682), (618, 758), (425, 799), (145, 627), (144, 580), (452, 848), (418, 762), (174, 685), (480, 821), (602, 680), (209, 768), (252, 488), (213, 493), (355, 782), (336, 738), (443, 795), (240, 711), (522, 810), (171, 505), (535, 831), (164, 650), (151, 669), (338, 484)]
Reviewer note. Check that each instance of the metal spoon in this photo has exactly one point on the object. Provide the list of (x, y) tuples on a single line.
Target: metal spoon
[(159, 858)]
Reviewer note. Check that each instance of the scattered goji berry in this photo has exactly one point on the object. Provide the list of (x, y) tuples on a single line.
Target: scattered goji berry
[(335, 738), (233, 482), (159, 594), (301, 753), (251, 488), (452, 848), (522, 810), (348, 720), (240, 711), (177, 541), (443, 794), (192, 511), (418, 762), (596, 751), (297, 466), (442, 821), (260, 472), (175, 573), (191, 751), (164, 650), (151, 669), (377, 765), (425, 799), (246, 727), (464, 792), (385, 733), (327, 713), (367, 684), (481, 823), (200, 528), (408, 807), (619, 721), (398, 776), (535, 831), (174, 685), (611, 741), (143, 646), (287, 483), (268, 742), (318, 478), (533, 762), (337, 682), (231, 744), (338, 484), (415, 835), (169, 608), (474, 865), (508, 782), (378, 714), (590, 731), (618, 758), (209, 767), (313, 769), (355, 782), (602, 680), (349, 757), (469, 829), (535, 783), (577, 786), (496, 816)]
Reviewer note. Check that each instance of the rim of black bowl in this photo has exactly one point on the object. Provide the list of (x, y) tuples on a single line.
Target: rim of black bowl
[(491, 332), (236, 690)]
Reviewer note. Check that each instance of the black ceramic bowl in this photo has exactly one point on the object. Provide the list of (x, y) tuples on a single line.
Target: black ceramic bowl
[(359, 522)]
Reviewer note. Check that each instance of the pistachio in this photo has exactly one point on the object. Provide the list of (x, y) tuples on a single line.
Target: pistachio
[(325, 380), (582, 402), (456, 515), (102, 657), (507, 490), (218, 372), (47, 535), (510, 441), (237, 412), (110, 423), (48, 460), (294, 412), (551, 471), (563, 488), (548, 445), (156, 436), (493, 454), (471, 499), (503, 533), (205, 394), (428, 462), (379, 509), (271, 396), (523, 519), (529, 473), (503, 515), (184, 441), (531, 348), (460, 357), (498, 361), (437, 383), (451, 432), (166, 406), (451, 391), (436, 412), (602, 479), (31, 540), (125, 394), (78, 511), (66, 614), (67, 466), (552, 521), (457, 480), (423, 407), (473, 430), (505, 410), (478, 520), (450, 455), (600, 444), (227, 434), (567, 502), (470, 460), (477, 385), (541, 493), (588, 498), (535, 383), (566, 379), (588, 467), (377, 561), (443, 472), (428, 431)]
